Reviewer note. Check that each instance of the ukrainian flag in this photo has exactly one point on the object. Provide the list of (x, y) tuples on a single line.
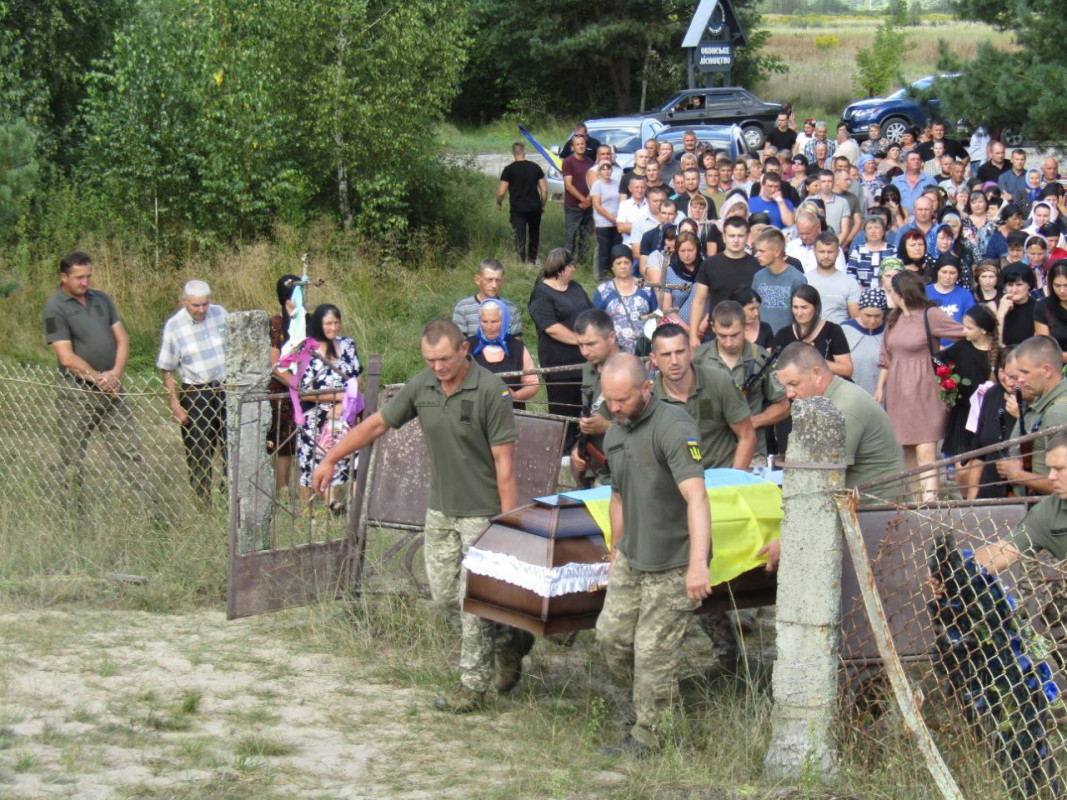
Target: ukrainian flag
[(551, 157), (746, 514)]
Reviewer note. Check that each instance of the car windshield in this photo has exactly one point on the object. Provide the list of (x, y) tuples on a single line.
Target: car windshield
[(905, 91), (624, 140)]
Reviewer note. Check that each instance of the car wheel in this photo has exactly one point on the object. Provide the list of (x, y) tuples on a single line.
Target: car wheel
[(754, 137), (1011, 136), (894, 127)]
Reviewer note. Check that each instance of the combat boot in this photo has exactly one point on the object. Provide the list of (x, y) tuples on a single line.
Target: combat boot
[(508, 667), (461, 701)]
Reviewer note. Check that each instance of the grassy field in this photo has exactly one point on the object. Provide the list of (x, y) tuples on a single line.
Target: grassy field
[(820, 79)]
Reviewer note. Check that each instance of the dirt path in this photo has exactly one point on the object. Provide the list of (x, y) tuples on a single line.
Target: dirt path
[(126, 704)]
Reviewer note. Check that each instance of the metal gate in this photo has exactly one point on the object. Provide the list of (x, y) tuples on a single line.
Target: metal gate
[(284, 552)]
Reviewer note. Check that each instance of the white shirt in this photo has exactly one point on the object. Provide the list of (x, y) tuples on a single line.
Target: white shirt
[(806, 256), (632, 213)]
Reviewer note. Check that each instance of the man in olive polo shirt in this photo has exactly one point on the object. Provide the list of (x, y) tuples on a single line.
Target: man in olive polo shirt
[(746, 363), (660, 545), (871, 448), (1045, 525), (597, 343), (1039, 363), (83, 327), (468, 422), (727, 437)]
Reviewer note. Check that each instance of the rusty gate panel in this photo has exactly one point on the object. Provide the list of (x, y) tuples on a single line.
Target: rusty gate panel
[(295, 557), (400, 480)]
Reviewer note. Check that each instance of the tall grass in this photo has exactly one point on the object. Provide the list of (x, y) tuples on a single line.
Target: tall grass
[(820, 82), (384, 298)]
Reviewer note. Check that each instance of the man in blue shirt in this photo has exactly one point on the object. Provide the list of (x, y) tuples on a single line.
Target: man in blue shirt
[(912, 183), (771, 202)]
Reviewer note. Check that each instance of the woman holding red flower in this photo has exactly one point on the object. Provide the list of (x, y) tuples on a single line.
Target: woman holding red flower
[(965, 366), (906, 380)]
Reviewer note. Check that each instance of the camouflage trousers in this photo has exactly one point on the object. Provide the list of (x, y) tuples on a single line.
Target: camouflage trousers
[(446, 539), (640, 634), (744, 639)]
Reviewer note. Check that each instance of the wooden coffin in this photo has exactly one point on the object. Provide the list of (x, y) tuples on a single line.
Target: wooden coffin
[(553, 536), (545, 536)]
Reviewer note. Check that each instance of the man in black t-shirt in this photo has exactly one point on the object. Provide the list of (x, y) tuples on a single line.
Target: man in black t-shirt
[(995, 166), (782, 137), (952, 147), (524, 183), (720, 275)]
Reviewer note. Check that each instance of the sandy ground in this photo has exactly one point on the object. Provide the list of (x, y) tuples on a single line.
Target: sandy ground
[(92, 708)]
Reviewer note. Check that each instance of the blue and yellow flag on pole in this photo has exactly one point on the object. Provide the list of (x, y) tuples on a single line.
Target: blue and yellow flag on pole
[(746, 514), (551, 157)]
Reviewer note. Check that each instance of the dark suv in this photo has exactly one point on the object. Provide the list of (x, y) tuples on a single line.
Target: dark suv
[(727, 105)]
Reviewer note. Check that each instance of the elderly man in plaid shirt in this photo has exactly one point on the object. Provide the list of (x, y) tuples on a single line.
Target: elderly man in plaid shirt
[(193, 344)]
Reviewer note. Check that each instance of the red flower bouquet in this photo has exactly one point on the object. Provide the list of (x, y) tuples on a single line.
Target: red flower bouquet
[(949, 383)]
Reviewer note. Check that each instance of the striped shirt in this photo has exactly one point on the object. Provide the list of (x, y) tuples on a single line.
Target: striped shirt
[(467, 317), (195, 349)]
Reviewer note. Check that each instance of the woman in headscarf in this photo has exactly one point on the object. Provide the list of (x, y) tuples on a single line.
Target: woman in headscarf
[(735, 205), (498, 351), (913, 253), (864, 336), (889, 268), (870, 180), (946, 239)]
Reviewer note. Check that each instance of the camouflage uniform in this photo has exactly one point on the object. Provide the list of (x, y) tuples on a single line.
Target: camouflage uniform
[(460, 431), (646, 610), (446, 541), (640, 633)]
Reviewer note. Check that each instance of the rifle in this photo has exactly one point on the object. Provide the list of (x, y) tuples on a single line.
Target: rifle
[(1026, 448), (588, 451), (753, 380)]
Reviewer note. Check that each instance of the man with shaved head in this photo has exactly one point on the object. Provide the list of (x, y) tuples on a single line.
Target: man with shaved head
[(871, 449), (660, 544), (1039, 362)]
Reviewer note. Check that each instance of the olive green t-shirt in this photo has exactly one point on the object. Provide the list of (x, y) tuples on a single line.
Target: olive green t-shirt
[(715, 403), (871, 449), (460, 432), (87, 327), (648, 460), (1048, 411), (766, 391), (1043, 528)]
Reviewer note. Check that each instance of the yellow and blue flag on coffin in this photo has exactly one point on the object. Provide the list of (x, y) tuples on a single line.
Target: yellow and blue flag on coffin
[(550, 157), (746, 514)]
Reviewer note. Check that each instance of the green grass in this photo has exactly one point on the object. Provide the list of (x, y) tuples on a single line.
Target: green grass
[(498, 136)]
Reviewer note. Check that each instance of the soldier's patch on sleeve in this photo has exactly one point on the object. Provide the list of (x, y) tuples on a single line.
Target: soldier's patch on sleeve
[(506, 394), (694, 448)]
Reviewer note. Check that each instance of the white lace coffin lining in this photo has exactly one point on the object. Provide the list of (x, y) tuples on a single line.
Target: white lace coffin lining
[(542, 581)]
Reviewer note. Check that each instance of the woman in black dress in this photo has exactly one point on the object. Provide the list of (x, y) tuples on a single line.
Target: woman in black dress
[(998, 421), (974, 357), (555, 302)]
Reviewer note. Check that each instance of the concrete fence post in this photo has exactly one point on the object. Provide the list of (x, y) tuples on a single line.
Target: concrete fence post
[(250, 473), (809, 596)]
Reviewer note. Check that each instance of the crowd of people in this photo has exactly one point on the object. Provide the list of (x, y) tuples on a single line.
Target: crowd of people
[(920, 286)]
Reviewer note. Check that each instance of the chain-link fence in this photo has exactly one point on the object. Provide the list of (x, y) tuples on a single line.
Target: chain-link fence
[(972, 660), (69, 449)]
